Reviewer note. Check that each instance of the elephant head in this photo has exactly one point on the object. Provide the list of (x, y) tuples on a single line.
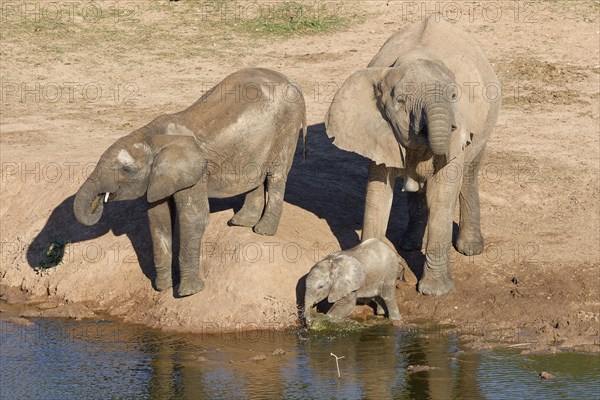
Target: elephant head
[(333, 278), (380, 112), (139, 163)]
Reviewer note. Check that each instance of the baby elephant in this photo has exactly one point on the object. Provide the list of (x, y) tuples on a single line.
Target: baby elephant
[(367, 271)]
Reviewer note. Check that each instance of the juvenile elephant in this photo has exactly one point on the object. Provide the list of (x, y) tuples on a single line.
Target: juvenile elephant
[(238, 137), (424, 110), (367, 271)]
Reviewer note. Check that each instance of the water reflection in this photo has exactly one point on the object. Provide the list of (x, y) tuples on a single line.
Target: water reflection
[(237, 365), (375, 365), (451, 372), (369, 368), (110, 360)]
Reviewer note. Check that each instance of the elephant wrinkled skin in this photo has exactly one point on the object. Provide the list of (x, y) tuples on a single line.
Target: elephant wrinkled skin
[(423, 110), (239, 137)]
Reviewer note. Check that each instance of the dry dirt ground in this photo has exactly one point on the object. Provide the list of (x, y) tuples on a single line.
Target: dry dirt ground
[(77, 76)]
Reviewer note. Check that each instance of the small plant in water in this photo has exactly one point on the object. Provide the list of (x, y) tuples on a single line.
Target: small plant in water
[(54, 255)]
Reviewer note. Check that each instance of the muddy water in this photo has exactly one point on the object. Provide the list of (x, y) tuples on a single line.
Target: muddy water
[(63, 359)]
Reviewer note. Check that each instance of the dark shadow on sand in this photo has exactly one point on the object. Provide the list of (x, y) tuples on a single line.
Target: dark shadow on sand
[(128, 218), (331, 184)]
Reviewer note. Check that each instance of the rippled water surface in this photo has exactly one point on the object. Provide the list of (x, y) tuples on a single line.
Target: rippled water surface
[(62, 359)]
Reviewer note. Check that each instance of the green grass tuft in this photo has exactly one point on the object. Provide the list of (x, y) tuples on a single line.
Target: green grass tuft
[(290, 17), (54, 255)]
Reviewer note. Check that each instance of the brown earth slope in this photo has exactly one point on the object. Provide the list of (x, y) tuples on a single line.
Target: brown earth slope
[(73, 82)]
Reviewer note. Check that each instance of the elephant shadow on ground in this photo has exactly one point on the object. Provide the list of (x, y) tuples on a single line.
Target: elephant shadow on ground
[(122, 218), (129, 218), (331, 183)]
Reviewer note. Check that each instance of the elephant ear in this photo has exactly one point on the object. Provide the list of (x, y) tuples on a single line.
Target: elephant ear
[(179, 164), (347, 275), (473, 107), (356, 123)]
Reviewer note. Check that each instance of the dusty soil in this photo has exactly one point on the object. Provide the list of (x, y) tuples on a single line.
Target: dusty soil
[(73, 83)]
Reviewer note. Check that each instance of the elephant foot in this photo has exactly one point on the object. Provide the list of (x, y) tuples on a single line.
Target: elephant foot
[(266, 226), (469, 244), (244, 219), (393, 312), (190, 287), (435, 283), (163, 282)]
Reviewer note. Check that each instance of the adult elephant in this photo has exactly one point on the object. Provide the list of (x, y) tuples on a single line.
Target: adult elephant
[(423, 109), (239, 137)]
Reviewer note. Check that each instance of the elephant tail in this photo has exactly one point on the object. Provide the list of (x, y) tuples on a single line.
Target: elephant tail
[(304, 125), (304, 132)]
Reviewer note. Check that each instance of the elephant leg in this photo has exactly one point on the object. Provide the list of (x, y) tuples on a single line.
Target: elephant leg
[(470, 241), (388, 294), (252, 209), (343, 307), (417, 222), (442, 194), (159, 219), (193, 213), (275, 191), (378, 201)]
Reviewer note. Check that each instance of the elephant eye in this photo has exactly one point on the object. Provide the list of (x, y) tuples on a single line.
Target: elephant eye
[(128, 169), (400, 99)]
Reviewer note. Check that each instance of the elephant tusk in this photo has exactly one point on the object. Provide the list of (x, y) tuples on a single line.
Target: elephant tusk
[(106, 196)]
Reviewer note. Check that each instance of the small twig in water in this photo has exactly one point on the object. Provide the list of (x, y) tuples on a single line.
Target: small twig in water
[(337, 364)]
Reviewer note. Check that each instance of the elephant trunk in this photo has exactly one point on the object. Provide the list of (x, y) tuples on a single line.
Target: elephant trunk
[(89, 203), (309, 302), (439, 122)]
